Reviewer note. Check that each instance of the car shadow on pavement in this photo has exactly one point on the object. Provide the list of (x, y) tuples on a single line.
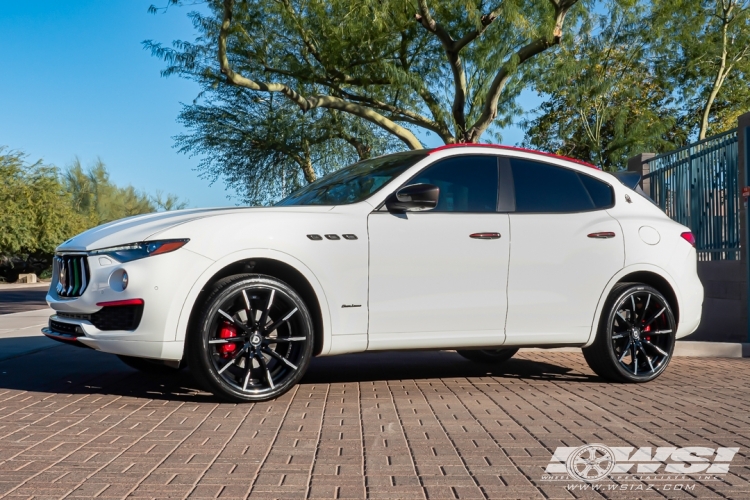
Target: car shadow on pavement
[(72, 370), (401, 365)]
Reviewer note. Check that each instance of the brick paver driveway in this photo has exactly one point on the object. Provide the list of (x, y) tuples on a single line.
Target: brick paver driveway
[(79, 424)]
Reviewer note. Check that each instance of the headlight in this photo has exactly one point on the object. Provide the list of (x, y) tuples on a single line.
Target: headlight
[(134, 251)]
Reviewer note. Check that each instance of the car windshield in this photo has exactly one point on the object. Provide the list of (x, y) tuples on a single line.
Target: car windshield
[(354, 183)]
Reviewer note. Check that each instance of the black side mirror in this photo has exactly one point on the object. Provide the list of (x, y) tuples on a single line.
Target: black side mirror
[(415, 197)]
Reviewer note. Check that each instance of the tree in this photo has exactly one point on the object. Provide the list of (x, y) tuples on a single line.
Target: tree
[(605, 98), (95, 196), (37, 213), (706, 47), (381, 64), (265, 148)]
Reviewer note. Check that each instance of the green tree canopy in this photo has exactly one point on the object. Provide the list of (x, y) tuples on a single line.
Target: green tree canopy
[(380, 72), (37, 214), (606, 99)]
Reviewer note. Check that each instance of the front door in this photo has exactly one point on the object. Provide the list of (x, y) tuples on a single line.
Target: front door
[(434, 280)]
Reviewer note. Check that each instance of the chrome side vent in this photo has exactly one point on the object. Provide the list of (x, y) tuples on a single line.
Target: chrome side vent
[(72, 273)]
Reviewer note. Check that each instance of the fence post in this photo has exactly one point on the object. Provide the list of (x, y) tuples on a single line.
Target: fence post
[(638, 164), (743, 164)]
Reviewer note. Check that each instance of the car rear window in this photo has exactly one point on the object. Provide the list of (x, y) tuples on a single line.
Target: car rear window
[(540, 187)]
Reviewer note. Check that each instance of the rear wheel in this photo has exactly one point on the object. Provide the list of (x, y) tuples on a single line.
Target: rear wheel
[(493, 356), (636, 335), (253, 340)]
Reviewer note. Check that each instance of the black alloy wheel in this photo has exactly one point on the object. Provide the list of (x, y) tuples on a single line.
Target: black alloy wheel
[(636, 336), (254, 339), (486, 356)]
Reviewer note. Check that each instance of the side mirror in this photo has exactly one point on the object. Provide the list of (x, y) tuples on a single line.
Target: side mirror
[(415, 197)]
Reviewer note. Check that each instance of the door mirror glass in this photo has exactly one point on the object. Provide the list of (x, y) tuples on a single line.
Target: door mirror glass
[(412, 198)]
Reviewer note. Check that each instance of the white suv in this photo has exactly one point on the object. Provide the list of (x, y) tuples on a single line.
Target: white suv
[(482, 249)]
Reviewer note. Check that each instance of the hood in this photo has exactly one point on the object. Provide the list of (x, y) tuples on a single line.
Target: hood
[(146, 227), (138, 228)]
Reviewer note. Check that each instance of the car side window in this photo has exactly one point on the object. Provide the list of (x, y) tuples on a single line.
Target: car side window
[(540, 187), (467, 183)]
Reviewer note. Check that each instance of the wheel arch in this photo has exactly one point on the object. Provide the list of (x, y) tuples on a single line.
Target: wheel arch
[(272, 263), (650, 275)]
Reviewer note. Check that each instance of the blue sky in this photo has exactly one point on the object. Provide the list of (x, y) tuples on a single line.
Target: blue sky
[(77, 82)]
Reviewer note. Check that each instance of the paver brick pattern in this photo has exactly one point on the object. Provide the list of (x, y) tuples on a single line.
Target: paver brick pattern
[(79, 424)]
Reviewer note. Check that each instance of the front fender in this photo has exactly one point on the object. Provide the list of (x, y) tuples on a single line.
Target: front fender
[(256, 253)]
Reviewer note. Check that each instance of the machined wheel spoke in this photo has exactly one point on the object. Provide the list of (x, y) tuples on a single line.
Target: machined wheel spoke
[(267, 311), (658, 349), (635, 310), (618, 336), (624, 352), (284, 339), (233, 360), (226, 341), (635, 360), (250, 315), (659, 332), (281, 321), (645, 308), (281, 358), (629, 325), (655, 316), (230, 318), (647, 358), (249, 371), (264, 367)]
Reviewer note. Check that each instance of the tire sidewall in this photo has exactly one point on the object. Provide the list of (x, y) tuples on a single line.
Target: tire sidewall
[(202, 350)]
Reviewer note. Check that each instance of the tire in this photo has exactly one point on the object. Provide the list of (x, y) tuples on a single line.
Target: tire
[(488, 357), (253, 339), (145, 365), (637, 325)]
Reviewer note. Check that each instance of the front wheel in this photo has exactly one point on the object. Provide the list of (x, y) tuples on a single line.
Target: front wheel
[(636, 335), (488, 357), (253, 340)]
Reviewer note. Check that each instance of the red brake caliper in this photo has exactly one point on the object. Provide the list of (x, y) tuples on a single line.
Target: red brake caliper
[(227, 331), (646, 330)]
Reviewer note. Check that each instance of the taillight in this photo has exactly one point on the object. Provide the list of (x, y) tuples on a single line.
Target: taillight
[(688, 236)]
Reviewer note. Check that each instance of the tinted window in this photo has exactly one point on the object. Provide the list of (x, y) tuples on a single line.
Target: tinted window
[(601, 192), (467, 183), (354, 183), (546, 188)]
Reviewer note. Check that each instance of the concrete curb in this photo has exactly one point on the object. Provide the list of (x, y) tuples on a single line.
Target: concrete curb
[(689, 349)]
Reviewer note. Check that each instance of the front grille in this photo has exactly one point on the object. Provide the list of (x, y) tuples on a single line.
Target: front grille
[(72, 275), (111, 317), (65, 328)]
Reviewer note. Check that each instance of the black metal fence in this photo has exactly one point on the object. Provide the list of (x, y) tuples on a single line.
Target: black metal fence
[(698, 186)]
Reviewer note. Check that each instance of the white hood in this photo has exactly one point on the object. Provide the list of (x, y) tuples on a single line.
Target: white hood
[(138, 228), (145, 227)]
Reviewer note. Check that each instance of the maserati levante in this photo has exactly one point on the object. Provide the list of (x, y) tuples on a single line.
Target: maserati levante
[(478, 249)]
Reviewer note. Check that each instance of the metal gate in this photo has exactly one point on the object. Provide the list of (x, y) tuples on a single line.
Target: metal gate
[(698, 186)]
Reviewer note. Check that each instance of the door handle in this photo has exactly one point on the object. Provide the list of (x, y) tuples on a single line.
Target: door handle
[(485, 236), (603, 235)]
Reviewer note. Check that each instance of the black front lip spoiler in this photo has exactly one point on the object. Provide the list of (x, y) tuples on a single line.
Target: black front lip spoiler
[(65, 338)]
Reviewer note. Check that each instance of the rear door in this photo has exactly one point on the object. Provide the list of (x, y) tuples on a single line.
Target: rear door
[(565, 248)]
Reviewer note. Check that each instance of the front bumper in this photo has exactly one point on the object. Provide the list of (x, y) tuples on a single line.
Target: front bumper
[(161, 281)]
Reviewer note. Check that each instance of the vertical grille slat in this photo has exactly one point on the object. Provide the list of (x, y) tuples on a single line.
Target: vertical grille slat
[(72, 272)]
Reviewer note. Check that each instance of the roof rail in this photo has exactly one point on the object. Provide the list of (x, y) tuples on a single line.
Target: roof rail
[(511, 148)]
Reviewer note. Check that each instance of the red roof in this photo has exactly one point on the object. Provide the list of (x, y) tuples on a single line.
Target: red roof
[(511, 148)]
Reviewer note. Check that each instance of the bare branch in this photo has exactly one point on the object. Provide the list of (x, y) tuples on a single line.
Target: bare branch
[(489, 111), (304, 104)]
